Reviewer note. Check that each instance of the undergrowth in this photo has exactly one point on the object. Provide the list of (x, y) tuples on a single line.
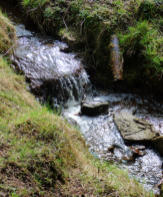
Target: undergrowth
[(144, 42)]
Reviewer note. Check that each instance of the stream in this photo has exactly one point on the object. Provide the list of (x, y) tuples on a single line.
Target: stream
[(60, 78), (101, 133)]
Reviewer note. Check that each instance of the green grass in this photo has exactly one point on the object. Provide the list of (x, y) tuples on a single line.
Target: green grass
[(34, 3), (42, 155), (146, 42)]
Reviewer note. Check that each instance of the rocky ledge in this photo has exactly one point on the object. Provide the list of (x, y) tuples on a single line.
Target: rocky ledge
[(94, 108), (135, 129)]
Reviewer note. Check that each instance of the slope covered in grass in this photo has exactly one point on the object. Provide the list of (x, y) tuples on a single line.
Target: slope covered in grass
[(42, 155)]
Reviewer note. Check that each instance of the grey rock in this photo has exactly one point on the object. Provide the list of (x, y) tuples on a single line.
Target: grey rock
[(133, 128), (94, 108), (138, 151)]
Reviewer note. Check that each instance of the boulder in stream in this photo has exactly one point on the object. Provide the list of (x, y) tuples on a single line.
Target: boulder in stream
[(133, 128), (138, 150), (94, 108)]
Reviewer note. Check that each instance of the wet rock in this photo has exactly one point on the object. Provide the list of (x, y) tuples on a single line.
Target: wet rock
[(158, 143), (111, 148), (133, 128), (138, 151), (140, 147), (123, 155), (94, 108)]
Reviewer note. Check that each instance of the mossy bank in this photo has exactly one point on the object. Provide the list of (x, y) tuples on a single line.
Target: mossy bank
[(88, 25), (40, 153)]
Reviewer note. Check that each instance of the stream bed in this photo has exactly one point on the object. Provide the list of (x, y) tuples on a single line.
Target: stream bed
[(101, 134), (61, 79)]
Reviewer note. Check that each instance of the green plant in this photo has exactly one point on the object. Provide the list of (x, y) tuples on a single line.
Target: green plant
[(145, 41), (150, 9)]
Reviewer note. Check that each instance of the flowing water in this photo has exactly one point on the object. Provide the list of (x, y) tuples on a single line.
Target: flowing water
[(60, 78), (54, 75), (101, 134)]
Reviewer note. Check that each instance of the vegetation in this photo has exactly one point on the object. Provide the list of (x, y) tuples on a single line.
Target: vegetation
[(143, 44), (40, 153), (7, 35)]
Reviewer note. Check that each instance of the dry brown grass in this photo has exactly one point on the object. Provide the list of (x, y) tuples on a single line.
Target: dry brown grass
[(7, 35)]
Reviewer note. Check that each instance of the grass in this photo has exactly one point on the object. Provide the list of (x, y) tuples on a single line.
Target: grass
[(145, 42), (42, 155), (7, 35)]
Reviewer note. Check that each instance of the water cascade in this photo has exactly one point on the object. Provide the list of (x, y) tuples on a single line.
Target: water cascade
[(54, 76)]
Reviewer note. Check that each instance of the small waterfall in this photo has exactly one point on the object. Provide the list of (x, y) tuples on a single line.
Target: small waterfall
[(116, 60), (67, 89), (54, 76)]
